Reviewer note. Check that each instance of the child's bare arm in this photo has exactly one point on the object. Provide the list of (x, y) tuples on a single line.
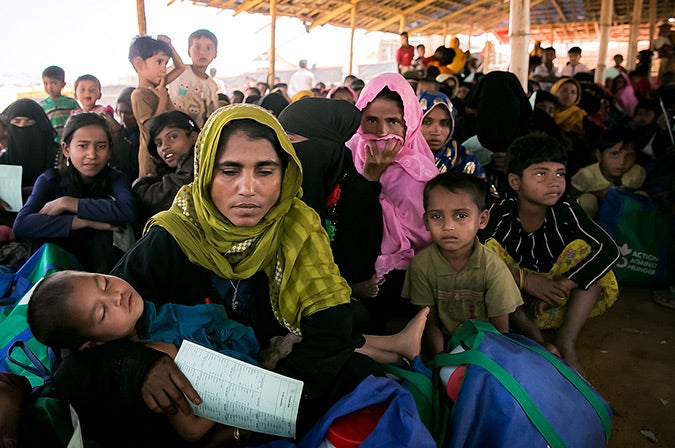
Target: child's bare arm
[(501, 323), (178, 65), (189, 427)]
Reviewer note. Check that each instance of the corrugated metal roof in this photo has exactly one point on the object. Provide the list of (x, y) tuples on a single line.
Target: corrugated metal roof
[(551, 20)]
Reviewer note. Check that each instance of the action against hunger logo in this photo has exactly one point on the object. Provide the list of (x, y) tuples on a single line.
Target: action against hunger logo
[(637, 261)]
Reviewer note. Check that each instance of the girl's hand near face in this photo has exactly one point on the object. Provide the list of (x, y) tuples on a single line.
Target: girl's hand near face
[(59, 206), (378, 161)]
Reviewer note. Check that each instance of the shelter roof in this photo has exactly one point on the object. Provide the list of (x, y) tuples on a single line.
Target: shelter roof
[(551, 20)]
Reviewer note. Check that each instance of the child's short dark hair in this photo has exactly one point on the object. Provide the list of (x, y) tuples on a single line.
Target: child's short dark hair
[(202, 33), (125, 96), (574, 50), (54, 72), (87, 78), (421, 46), (614, 135), (145, 47), (546, 96), (532, 148), (649, 104), (455, 181), (47, 309)]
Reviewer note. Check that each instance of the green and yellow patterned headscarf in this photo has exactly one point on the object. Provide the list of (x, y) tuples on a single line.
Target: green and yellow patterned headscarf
[(288, 244)]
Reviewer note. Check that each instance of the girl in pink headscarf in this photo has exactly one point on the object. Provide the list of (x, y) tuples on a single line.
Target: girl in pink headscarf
[(389, 147)]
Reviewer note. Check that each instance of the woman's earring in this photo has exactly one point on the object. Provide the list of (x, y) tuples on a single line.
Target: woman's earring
[(67, 161)]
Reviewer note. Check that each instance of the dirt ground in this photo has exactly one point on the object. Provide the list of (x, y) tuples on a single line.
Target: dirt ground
[(628, 355)]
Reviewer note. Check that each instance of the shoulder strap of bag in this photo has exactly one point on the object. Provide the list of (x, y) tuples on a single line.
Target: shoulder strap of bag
[(36, 367), (421, 389), (510, 384), (581, 385)]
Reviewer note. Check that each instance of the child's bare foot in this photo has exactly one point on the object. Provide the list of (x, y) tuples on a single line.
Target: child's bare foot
[(411, 335), (551, 349), (367, 289), (569, 354)]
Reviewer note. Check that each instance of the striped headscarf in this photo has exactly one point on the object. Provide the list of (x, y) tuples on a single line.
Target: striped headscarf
[(288, 244)]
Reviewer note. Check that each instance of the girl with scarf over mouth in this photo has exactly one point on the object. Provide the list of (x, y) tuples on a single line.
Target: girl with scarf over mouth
[(389, 147), (30, 141), (239, 235)]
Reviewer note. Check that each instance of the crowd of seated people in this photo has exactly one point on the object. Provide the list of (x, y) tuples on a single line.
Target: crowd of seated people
[(301, 215)]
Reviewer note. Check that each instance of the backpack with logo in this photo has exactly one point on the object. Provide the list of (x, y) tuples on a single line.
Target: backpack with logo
[(642, 234)]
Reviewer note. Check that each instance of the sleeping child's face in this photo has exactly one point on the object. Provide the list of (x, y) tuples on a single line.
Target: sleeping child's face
[(105, 307), (616, 161)]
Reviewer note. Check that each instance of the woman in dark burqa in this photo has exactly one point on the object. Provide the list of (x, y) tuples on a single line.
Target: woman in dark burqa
[(503, 113), (30, 141), (274, 102), (346, 201)]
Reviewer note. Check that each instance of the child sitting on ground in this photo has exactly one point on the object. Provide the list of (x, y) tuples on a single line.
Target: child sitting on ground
[(616, 168), (456, 276), (560, 258), (171, 146)]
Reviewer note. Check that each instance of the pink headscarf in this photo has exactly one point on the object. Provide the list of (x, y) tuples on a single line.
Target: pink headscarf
[(403, 181), (332, 91), (626, 96)]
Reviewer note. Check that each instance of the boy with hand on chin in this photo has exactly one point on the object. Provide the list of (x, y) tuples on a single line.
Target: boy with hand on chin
[(149, 58), (194, 92), (456, 276)]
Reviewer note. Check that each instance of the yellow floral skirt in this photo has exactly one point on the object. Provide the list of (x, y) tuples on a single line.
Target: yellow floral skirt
[(573, 253)]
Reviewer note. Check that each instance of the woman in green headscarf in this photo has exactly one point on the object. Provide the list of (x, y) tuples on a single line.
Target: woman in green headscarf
[(240, 235)]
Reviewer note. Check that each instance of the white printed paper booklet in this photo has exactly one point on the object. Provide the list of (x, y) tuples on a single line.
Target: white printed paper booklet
[(239, 394)]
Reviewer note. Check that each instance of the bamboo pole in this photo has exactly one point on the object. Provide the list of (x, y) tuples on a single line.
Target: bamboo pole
[(273, 47), (605, 26), (140, 14), (652, 22), (352, 24), (519, 33), (634, 34)]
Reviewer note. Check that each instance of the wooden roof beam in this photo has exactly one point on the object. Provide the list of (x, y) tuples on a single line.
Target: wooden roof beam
[(405, 12), (558, 9), (328, 17), (246, 6)]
